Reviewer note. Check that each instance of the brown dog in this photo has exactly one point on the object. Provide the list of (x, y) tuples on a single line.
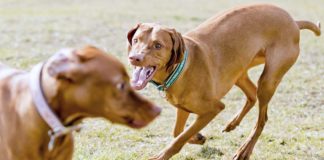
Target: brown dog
[(220, 52), (76, 84)]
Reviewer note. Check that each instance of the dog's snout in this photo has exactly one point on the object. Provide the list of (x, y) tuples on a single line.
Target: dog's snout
[(133, 58), (136, 58), (155, 111)]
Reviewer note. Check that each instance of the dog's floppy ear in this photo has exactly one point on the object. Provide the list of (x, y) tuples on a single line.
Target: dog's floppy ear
[(67, 65), (131, 33), (87, 53), (178, 48)]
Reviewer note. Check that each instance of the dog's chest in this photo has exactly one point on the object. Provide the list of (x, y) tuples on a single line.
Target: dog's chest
[(174, 100), (178, 102)]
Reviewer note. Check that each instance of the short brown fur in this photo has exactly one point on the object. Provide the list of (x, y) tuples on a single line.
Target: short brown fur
[(77, 84), (221, 51)]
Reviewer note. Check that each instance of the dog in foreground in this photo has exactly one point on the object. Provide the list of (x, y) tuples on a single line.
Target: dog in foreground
[(73, 84), (213, 57)]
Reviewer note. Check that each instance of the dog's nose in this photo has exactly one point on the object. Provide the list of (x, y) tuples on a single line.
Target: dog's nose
[(155, 111), (136, 58)]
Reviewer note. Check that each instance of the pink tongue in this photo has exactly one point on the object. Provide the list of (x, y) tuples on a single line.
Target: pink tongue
[(136, 73), (141, 77)]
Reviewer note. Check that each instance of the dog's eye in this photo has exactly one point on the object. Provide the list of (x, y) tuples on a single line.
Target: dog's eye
[(157, 46), (121, 86), (135, 40)]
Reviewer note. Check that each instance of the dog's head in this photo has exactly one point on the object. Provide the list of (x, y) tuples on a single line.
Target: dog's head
[(153, 48), (92, 83)]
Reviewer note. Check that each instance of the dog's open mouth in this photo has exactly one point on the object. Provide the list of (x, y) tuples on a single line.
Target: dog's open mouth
[(141, 76)]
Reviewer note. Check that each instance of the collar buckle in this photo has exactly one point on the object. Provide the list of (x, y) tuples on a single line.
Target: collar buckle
[(60, 132), (162, 93), (161, 87)]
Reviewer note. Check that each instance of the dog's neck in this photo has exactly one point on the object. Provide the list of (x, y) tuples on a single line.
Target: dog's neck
[(171, 77), (162, 74), (185, 78), (55, 98)]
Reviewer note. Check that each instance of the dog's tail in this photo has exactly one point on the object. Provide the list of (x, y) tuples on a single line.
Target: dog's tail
[(311, 26)]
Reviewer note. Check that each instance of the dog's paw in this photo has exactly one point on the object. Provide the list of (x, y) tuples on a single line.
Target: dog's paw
[(197, 139), (163, 155), (229, 127), (244, 152), (241, 156)]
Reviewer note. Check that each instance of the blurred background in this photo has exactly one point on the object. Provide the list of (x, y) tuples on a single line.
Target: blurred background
[(33, 30)]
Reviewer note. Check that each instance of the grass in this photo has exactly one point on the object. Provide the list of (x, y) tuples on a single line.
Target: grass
[(32, 30)]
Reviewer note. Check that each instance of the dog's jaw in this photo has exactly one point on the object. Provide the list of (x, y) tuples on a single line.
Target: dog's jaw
[(141, 76)]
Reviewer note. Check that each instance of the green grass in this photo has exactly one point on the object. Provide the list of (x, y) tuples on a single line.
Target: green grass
[(32, 30)]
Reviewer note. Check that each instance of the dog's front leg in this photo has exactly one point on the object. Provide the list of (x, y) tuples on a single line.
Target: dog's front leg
[(181, 120), (201, 121), (182, 117)]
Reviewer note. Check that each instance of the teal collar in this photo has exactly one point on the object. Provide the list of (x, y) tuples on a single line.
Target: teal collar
[(173, 76)]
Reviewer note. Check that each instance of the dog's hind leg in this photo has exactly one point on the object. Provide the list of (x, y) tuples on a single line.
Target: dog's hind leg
[(278, 61), (250, 90)]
